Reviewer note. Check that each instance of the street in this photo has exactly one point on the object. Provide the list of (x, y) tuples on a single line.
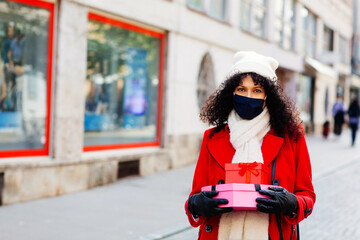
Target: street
[(153, 207), (336, 213)]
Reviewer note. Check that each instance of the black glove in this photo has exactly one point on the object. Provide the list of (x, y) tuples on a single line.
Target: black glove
[(281, 201), (203, 204)]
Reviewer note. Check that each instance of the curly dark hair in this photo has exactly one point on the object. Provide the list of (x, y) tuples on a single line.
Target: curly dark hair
[(284, 117)]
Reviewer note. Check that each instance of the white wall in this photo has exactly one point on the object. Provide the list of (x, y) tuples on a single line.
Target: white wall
[(321, 84), (184, 58), (335, 14)]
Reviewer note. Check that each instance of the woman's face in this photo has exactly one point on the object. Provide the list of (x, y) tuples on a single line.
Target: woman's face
[(247, 88)]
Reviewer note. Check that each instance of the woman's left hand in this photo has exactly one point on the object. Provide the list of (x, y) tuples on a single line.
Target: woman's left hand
[(281, 201)]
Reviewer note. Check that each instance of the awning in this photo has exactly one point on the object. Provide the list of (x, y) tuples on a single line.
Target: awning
[(321, 68)]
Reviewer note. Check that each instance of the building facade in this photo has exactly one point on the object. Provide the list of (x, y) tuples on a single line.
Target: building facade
[(93, 91)]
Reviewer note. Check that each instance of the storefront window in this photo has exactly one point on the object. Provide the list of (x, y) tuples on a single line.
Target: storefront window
[(123, 84), (25, 76)]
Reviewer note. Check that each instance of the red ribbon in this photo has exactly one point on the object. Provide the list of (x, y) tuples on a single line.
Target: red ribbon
[(248, 167)]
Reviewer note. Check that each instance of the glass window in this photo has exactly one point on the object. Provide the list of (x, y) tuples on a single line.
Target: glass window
[(259, 20), (304, 99), (309, 33), (123, 84), (285, 23), (328, 40), (344, 50), (253, 16), (25, 76), (196, 4), (217, 9), (245, 15), (213, 8)]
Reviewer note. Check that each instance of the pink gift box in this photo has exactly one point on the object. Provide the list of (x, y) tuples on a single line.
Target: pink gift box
[(241, 196)]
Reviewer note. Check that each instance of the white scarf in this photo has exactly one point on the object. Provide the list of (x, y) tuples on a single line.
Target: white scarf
[(245, 136)]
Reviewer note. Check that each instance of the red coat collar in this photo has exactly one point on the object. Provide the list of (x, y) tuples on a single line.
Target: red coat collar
[(222, 151)]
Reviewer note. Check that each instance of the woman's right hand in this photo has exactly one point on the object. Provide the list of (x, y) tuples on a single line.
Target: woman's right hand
[(203, 204)]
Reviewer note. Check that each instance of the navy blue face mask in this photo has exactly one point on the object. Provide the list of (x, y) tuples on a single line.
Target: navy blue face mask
[(248, 108)]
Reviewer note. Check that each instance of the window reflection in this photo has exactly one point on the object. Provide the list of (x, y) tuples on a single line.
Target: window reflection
[(24, 34), (253, 16), (217, 9), (344, 53), (196, 4), (122, 85), (285, 23), (309, 32), (304, 97)]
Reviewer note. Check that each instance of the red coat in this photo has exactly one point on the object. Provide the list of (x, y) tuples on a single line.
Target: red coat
[(293, 170)]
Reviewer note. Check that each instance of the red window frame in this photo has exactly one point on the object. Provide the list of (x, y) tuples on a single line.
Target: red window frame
[(160, 36), (44, 151)]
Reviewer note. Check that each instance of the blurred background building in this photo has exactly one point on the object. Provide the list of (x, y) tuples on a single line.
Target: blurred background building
[(92, 91)]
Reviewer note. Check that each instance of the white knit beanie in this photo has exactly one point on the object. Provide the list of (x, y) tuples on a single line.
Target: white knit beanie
[(249, 61)]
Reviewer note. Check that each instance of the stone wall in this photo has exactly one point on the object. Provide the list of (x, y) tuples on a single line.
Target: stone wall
[(184, 149), (30, 181), (24, 184), (25, 181)]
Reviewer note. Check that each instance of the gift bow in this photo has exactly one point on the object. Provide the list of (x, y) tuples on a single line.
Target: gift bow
[(248, 167)]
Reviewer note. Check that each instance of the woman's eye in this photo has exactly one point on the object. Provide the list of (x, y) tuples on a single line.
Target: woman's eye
[(259, 90), (240, 90)]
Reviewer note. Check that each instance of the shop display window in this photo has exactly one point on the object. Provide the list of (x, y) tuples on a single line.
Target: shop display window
[(26, 28), (123, 85)]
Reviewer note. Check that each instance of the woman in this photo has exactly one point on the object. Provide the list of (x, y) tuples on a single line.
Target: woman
[(354, 113), (254, 121)]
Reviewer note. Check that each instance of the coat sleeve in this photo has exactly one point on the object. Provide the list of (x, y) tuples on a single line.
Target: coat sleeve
[(200, 178), (303, 189)]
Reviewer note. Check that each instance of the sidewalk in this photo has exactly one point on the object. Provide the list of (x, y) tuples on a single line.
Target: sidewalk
[(141, 207)]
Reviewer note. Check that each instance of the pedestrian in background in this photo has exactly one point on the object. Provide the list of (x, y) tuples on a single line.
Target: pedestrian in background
[(254, 121), (338, 112), (326, 129), (354, 113)]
